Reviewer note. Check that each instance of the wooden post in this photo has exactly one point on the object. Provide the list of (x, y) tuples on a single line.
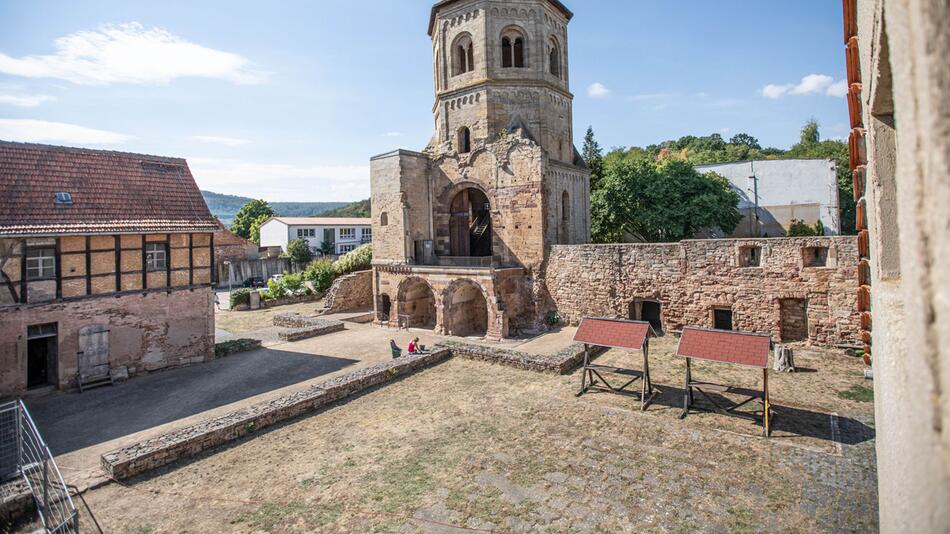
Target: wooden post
[(765, 414)]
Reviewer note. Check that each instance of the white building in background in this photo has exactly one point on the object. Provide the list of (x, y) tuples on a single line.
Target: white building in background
[(783, 189), (343, 233)]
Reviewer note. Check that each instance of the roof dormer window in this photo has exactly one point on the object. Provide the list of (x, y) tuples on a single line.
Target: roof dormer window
[(63, 198)]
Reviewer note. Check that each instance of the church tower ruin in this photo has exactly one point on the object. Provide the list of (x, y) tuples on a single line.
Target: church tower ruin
[(461, 229)]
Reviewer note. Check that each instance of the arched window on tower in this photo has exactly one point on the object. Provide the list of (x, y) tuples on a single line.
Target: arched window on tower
[(513, 48), (465, 140), (384, 219), (554, 58), (463, 55)]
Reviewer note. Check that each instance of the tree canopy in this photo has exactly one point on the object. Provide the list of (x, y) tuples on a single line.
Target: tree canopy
[(299, 251), (660, 201), (245, 217), (594, 157), (743, 147)]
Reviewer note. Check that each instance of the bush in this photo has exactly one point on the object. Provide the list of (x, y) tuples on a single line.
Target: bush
[(275, 290), (799, 228), (293, 283), (321, 274), (240, 296), (357, 260)]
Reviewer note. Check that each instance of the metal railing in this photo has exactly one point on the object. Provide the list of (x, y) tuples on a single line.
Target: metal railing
[(23, 453)]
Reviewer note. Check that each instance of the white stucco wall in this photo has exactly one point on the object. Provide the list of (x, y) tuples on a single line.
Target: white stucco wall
[(274, 234), (805, 189)]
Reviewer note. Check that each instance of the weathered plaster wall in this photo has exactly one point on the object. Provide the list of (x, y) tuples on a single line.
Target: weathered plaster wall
[(691, 278), (902, 134), (147, 332)]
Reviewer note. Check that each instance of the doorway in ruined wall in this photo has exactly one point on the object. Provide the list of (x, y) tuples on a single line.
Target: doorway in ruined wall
[(647, 310), (793, 316), (465, 310), (470, 231), (42, 355), (416, 304)]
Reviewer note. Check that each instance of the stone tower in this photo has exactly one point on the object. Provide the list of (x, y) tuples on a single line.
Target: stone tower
[(467, 221), (500, 64)]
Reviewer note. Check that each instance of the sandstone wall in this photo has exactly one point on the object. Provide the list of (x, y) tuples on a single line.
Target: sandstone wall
[(691, 278), (150, 331), (350, 292)]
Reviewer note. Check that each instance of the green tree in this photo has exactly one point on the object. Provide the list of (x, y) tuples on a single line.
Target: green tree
[(799, 228), (321, 274), (327, 247), (256, 228), (810, 134), (249, 213), (594, 157), (745, 139), (299, 251), (662, 201)]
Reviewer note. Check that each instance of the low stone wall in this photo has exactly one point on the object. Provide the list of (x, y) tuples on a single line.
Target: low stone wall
[(350, 292), (297, 327), (235, 346), (286, 301), (562, 362), (16, 502), (782, 296), (191, 440)]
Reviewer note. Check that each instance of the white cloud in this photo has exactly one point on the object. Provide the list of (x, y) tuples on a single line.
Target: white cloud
[(598, 90), (37, 131), (130, 53), (649, 96), (226, 141), (394, 134), (809, 85), (838, 89), (282, 181), (24, 101)]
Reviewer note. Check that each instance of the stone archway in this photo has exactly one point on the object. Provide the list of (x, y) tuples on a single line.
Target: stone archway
[(415, 303), (465, 309)]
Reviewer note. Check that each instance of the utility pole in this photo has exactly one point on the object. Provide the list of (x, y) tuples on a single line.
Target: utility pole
[(754, 231)]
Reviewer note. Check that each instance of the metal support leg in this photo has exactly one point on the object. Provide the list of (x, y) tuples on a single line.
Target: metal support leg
[(766, 416), (687, 396), (584, 372)]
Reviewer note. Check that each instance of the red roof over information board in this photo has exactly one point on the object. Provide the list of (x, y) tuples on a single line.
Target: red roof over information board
[(722, 346), (615, 333)]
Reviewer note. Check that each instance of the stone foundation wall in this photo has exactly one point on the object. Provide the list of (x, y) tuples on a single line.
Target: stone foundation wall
[(146, 332), (692, 278), (350, 292)]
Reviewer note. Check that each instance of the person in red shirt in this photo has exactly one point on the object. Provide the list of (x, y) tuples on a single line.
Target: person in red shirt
[(414, 346)]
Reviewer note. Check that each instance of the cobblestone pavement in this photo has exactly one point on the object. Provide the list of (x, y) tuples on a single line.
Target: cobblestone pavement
[(470, 446)]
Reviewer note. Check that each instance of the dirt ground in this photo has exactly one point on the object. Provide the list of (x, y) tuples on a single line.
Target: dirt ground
[(474, 447)]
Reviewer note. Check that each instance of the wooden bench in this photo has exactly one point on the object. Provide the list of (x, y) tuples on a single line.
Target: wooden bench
[(736, 348)]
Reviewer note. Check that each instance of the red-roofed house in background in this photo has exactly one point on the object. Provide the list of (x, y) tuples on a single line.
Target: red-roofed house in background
[(106, 262)]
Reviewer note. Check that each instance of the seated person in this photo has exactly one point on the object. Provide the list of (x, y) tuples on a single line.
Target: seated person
[(414, 347)]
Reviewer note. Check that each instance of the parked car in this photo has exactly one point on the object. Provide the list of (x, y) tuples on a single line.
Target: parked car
[(276, 277), (254, 281)]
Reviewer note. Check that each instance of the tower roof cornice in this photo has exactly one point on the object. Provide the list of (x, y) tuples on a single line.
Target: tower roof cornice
[(445, 3)]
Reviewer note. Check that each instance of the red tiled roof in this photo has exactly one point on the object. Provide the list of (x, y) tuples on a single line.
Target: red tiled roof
[(613, 333), (721, 346), (112, 192)]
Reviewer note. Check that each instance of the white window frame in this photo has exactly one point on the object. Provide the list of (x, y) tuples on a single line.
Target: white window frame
[(41, 265), (156, 256), (347, 248), (347, 234), (367, 233)]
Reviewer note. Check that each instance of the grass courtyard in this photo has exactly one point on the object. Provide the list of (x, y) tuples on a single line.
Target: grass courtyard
[(473, 447)]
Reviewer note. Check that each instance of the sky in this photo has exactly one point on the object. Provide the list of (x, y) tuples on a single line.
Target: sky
[(288, 100)]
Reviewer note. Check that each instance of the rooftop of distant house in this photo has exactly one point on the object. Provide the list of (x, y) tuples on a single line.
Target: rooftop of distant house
[(50, 190), (323, 221)]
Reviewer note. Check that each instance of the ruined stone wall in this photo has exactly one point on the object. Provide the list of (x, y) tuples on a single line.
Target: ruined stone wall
[(400, 201), (351, 292), (567, 195), (691, 278), (147, 332)]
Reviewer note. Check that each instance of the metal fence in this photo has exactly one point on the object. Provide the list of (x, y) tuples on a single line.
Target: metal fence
[(23, 453)]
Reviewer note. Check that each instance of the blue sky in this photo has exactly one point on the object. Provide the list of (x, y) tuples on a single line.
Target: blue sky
[(288, 100)]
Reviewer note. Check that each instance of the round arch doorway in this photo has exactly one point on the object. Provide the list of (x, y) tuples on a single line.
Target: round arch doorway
[(465, 310), (470, 230), (416, 304)]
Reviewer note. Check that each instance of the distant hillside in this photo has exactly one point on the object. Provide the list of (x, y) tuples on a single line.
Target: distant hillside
[(225, 207), (356, 209)]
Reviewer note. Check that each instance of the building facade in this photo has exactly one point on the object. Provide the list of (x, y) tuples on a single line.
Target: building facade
[(899, 102), (462, 227), (341, 233), (773, 193), (107, 263)]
